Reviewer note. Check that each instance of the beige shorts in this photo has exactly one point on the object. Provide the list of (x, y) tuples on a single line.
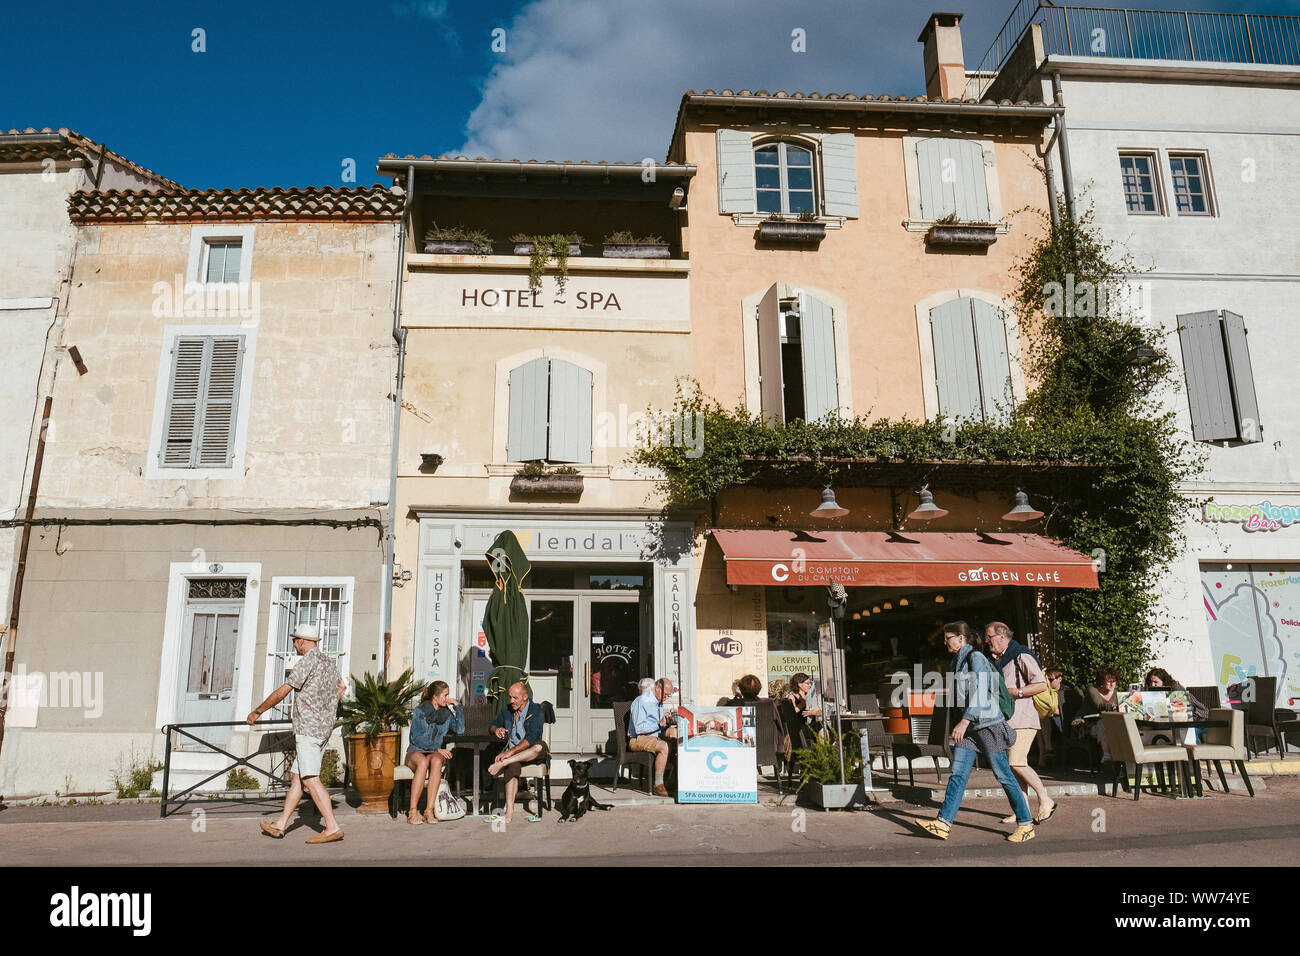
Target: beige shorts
[(647, 743), (1018, 753)]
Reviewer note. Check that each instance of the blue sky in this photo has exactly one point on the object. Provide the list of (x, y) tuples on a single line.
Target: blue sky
[(286, 92)]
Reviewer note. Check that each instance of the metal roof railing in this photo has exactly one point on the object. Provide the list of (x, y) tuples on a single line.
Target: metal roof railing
[(1145, 34)]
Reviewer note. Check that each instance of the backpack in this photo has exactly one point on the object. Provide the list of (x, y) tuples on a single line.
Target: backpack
[(1006, 703)]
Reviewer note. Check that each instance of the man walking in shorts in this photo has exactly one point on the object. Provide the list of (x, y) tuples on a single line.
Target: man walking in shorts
[(1024, 678), (317, 691)]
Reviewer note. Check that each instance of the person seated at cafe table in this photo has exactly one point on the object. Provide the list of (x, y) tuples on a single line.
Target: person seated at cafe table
[(520, 725), (747, 688), (649, 724), (1159, 679), (435, 716), (1102, 697), (795, 712)]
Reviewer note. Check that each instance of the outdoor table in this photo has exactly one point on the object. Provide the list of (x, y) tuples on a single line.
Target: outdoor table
[(477, 743), (1173, 725)]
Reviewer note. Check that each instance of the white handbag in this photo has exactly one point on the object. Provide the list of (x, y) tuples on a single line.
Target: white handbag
[(446, 805)]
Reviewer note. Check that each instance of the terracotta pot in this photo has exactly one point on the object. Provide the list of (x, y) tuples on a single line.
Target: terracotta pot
[(372, 768)]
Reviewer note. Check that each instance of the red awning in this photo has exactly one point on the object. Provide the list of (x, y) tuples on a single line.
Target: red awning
[(902, 559)]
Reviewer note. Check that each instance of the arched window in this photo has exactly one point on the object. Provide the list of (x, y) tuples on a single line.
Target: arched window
[(783, 178)]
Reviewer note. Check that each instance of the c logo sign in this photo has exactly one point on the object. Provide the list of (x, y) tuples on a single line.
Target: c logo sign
[(780, 572), (716, 761)]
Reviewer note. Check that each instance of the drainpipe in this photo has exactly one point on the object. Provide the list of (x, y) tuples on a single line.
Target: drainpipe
[(1067, 175), (399, 337), (1051, 176), (16, 600)]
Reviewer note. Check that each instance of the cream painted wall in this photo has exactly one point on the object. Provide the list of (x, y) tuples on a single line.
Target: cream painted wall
[(878, 268), (319, 425)]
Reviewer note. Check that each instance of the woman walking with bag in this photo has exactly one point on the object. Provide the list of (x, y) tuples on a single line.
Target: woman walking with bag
[(983, 729)]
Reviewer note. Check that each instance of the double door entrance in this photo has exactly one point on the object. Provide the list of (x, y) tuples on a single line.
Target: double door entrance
[(586, 651)]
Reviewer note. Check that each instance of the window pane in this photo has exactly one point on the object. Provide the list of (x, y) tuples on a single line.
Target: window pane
[(767, 177), (801, 202), (767, 155), (232, 264), (799, 178), (797, 156), (1189, 184), (769, 201), (216, 263)]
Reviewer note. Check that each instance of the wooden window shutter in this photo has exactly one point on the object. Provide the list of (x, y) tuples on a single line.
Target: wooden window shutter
[(817, 334), (771, 386), (1243, 380), (735, 171), (529, 408), (183, 390), (1205, 368), (224, 361), (952, 179), (570, 412), (840, 175), (956, 367), (994, 360)]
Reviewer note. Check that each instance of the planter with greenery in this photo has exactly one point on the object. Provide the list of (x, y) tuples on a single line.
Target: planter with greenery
[(541, 249), (624, 245), (805, 228), (1093, 421), (457, 240), (819, 772), (951, 231), (372, 721), (535, 478)]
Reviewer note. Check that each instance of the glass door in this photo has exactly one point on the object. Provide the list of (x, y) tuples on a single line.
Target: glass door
[(207, 674), (610, 649), (552, 661)]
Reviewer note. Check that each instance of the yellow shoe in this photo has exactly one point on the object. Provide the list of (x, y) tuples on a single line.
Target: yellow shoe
[(935, 827), (1021, 834)]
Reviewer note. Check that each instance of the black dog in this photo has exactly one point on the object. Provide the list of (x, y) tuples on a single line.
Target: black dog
[(577, 798)]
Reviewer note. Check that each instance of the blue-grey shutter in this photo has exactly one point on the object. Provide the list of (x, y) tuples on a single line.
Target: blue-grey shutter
[(771, 387), (817, 335), (956, 367), (1209, 390), (529, 397), (994, 360), (735, 171), (183, 389), (840, 175), (223, 359), (965, 192), (1243, 381), (570, 413)]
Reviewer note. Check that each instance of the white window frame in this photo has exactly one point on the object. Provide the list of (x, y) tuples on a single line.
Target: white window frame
[(814, 146), (154, 471), (178, 577), (349, 585), (913, 176), (840, 323), (814, 164), (1157, 180), (1203, 157), (925, 339), (202, 236)]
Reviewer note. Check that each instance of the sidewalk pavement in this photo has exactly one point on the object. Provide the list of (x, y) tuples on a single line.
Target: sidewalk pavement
[(1088, 830)]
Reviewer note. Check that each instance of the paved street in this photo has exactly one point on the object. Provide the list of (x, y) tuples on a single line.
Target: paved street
[(1086, 831)]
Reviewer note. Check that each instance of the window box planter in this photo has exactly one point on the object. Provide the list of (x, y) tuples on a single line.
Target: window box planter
[(526, 249), (551, 486), (635, 250), (456, 247), (811, 232), (963, 234)]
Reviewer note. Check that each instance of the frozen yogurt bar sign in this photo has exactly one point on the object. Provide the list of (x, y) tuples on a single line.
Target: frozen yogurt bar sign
[(1263, 516)]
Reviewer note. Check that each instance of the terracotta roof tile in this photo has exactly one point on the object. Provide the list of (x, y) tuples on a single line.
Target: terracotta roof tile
[(540, 163), (361, 204), (71, 145)]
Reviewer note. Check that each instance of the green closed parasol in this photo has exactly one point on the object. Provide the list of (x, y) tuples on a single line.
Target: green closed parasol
[(505, 621)]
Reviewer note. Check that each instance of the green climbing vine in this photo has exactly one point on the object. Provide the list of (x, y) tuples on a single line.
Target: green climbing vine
[(1092, 405)]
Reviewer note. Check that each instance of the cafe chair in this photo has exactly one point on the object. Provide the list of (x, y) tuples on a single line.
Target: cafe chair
[(929, 739), (1263, 719), (1126, 748), (540, 771), (864, 703), (399, 800), (1224, 743), (636, 758), (765, 734)]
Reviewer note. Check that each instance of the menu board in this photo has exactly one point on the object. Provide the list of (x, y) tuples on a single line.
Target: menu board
[(1156, 704)]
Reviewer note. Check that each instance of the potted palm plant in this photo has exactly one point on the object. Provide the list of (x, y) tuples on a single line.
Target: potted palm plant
[(372, 720)]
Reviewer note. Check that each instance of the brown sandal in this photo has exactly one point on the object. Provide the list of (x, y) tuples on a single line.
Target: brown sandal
[(413, 818)]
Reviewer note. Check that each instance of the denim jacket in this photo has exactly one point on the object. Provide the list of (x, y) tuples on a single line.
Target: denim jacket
[(975, 684), (427, 735)]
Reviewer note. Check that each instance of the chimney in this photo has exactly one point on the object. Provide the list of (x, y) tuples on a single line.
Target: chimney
[(945, 67)]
